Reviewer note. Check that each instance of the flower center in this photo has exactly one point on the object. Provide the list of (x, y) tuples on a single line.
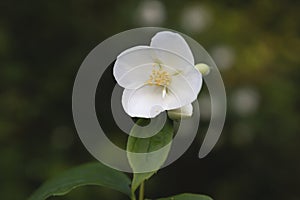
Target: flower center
[(159, 77)]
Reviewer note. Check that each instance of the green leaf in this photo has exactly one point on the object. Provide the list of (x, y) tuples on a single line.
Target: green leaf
[(187, 197), (156, 149), (87, 174)]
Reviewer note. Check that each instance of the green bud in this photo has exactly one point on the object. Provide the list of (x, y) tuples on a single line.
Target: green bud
[(183, 112), (204, 69)]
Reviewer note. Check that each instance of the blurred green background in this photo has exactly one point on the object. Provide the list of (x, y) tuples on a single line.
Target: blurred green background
[(256, 45)]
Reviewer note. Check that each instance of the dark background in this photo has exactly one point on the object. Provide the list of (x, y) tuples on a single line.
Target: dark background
[(254, 43)]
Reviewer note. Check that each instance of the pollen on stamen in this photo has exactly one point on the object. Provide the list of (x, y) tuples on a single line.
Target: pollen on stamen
[(159, 77)]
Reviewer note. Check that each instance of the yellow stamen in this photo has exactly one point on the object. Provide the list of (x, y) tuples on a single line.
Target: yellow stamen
[(159, 77)]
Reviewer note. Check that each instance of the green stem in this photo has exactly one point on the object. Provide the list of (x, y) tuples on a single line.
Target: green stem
[(132, 196), (142, 189)]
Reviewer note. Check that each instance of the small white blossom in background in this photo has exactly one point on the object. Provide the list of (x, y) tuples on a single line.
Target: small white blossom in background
[(245, 101), (195, 18), (224, 56), (160, 77), (150, 13)]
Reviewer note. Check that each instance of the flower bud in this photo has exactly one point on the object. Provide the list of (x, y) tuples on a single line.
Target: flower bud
[(183, 112), (204, 69)]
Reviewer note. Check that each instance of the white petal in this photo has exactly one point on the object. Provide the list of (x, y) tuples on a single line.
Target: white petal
[(132, 49), (185, 87), (173, 42), (183, 112), (133, 67), (171, 60), (145, 102)]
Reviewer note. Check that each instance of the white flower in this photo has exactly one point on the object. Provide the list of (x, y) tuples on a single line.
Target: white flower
[(158, 77)]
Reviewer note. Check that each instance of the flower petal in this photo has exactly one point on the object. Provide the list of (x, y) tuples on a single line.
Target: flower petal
[(133, 67), (173, 42), (171, 61), (145, 102), (186, 87)]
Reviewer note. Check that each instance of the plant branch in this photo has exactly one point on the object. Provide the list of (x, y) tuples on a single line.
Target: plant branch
[(142, 189), (133, 195)]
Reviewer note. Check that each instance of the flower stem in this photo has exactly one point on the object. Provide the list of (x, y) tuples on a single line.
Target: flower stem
[(142, 189), (133, 196)]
